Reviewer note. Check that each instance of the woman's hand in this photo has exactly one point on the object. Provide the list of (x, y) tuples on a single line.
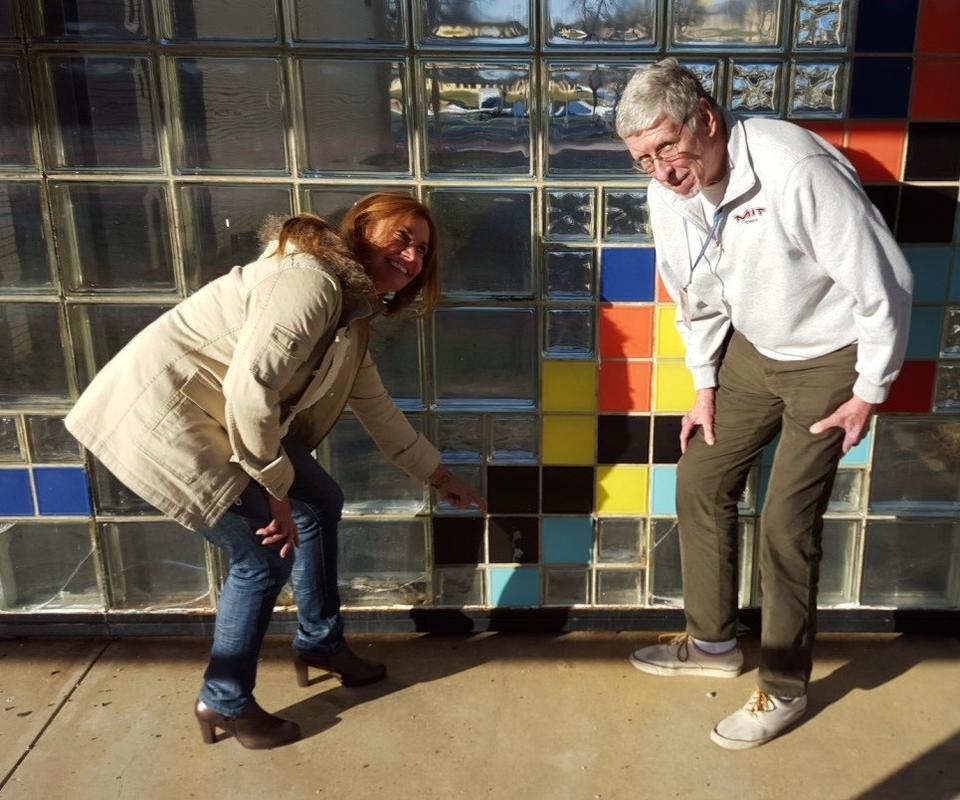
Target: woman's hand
[(281, 528), (454, 491)]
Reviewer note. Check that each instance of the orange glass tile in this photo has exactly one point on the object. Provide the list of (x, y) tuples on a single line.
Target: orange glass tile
[(662, 294), (625, 385), (939, 27), (935, 93), (831, 131), (626, 331), (876, 149)]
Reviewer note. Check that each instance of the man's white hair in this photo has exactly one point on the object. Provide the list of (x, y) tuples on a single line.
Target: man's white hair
[(664, 89)]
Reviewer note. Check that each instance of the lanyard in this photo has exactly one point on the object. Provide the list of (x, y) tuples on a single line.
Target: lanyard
[(718, 217)]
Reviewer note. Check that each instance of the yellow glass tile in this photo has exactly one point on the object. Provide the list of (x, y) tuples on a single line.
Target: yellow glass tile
[(622, 489), (569, 440), (669, 343), (673, 390), (569, 385)]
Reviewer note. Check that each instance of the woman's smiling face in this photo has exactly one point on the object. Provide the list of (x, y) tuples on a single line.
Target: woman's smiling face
[(397, 250)]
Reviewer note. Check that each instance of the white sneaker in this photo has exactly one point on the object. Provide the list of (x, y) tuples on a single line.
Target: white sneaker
[(759, 721), (678, 655)]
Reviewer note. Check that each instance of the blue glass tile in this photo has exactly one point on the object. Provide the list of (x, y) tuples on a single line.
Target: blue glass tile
[(925, 326), (859, 455), (955, 280), (567, 540), (931, 272), (880, 87), (664, 490), (626, 274), (16, 499), (62, 491), (514, 587), (886, 26)]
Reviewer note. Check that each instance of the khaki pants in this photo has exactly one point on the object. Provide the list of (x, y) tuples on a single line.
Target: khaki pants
[(757, 397)]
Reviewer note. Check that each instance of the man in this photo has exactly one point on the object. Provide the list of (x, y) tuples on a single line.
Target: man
[(793, 301)]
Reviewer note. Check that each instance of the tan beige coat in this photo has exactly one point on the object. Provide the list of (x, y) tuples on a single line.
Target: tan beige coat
[(197, 403)]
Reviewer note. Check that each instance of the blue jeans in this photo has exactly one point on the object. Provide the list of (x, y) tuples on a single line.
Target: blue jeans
[(257, 574)]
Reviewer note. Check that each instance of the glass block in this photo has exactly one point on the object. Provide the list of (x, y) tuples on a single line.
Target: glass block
[(9, 441), (367, 99), (485, 357), (219, 224), (911, 563), (950, 346), (383, 563), (110, 496), (947, 397), (518, 587), (619, 587), (32, 354), (479, 22), (476, 263), (47, 566), (15, 140), (50, 441), (154, 566), (231, 115), (472, 475), (748, 500), (478, 118), (568, 332), (566, 587), (821, 24), (24, 249), (205, 20), (633, 23), (460, 438), (621, 541), (726, 23), (395, 347), (847, 491), (708, 73), (100, 331), (92, 261), (349, 22), (459, 540), (332, 202), (457, 586), (513, 540), (569, 274), (915, 466), (513, 439), (370, 483), (838, 563), (105, 112), (755, 88), (93, 19), (581, 135), (625, 215), (9, 29), (817, 89), (569, 214)]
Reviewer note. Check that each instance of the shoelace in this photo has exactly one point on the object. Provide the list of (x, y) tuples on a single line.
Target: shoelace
[(679, 640), (759, 702)]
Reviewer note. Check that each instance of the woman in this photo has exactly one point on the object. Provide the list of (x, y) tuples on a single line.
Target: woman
[(211, 414)]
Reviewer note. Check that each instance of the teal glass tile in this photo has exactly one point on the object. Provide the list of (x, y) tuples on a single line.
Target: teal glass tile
[(664, 490), (762, 486), (567, 540), (931, 272), (859, 455), (925, 326), (955, 280), (514, 587), (16, 498), (766, 458)]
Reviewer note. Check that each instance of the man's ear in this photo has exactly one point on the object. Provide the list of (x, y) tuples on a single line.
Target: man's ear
[(708, 116)]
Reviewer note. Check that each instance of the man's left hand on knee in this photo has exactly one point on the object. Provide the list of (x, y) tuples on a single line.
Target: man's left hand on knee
[(853, 416)]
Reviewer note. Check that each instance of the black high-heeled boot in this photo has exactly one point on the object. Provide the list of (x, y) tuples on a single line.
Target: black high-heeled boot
[(347, 665), (253, 727)]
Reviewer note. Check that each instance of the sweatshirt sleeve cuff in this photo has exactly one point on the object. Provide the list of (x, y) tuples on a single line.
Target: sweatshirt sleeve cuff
[(704, 377), (870, 392)]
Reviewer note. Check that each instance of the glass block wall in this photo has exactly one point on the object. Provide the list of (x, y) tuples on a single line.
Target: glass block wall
[(142, 142)]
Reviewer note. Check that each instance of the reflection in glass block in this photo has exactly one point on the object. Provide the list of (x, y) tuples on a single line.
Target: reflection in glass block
[(915, 466), (582, 109), (231, 115), (15, 124), (112, 497), (570, 214), (569, 332), (485, 357), (100, 331), (366, 98), (47, 566), (950, 347), (490, 22), (155, 565), (911, 564), (731, 23), (383, 563), (9, 28), (817, 89), (9, 441), (755, 88), (596, 22), (24, 251), (621, 541), (748, 500), (32, 354), (821, 23), (838, 564), (569, 274), (92, 19), (105, 112), (566, 587), (458, 586), (626, 215), (470, 474), (247, 20), (332, 202), (92, 261), (947, 396), (619, 587), (348, 21), (49, 440), (847, 491), (708, 73), (460, 437), (395, 347), (513, 438), (476, 263), (370, 483)]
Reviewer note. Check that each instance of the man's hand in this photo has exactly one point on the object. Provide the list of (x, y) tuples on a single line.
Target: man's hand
[(281, 528), (853, 416), (454, 491), (701, 415)]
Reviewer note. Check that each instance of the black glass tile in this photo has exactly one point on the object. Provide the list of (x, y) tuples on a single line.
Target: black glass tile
[(514, 540), (880, 87), (886, 26), (927, 214), (513, 490), (666, 440), (933, 152), (622, 439), (567, 490), (885, 197), (457, 540)]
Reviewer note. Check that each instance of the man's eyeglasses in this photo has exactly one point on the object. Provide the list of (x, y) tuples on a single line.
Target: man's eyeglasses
[(670, 151)]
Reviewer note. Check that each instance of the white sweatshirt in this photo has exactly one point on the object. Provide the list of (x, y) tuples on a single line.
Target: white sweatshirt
[(801, 265)]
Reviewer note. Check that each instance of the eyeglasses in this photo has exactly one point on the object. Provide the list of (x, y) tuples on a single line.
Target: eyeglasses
[(666, 152)]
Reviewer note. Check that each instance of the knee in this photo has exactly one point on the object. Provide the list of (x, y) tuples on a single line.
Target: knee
[(263, 575)]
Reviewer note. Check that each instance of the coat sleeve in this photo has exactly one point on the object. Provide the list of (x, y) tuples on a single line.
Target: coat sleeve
[(284, 317)]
